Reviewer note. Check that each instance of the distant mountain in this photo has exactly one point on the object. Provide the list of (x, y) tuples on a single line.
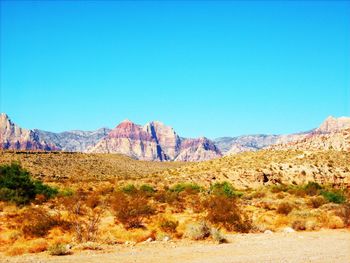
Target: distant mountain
[(73, 141), (338, 140), (154, 141), (13, 137), (232, 145)]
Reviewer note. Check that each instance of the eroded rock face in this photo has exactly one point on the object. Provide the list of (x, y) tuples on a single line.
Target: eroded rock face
[(73, 141), (166, 137), (332, 124), (130, 139), (233, 145), (338, 140), (13, 137), (200, 149), (155, 141)]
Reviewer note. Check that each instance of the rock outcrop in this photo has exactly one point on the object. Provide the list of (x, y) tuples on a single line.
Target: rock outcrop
[(233, 145), (332, 124), (154, 141), (195, 150), (13, 137), (338, 140), (130, 139), (73, 141)]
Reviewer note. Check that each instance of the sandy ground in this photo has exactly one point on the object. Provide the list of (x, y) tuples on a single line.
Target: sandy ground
[(322, 246)]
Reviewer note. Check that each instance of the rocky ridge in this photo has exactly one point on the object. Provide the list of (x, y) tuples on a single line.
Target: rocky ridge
[(154, 141), (13, 137)]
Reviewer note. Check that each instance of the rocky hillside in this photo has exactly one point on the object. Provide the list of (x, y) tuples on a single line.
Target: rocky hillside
[(13, 137), (336, 140), (80, 167), (232, 145), (266, 167), (154, 141), (73, 141)]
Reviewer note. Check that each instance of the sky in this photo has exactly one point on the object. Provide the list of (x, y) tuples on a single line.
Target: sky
[(206, 68)]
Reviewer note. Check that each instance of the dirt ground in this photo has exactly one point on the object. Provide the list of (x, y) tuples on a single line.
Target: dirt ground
[(322, 246)]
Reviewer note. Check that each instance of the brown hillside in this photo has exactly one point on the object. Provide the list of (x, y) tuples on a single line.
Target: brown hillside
[(253, 169), (75, 167)]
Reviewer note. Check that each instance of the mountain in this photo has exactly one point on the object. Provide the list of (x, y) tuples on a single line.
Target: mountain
[(332, 124), (232, 145), (154, 141), (195, 150), (13, 137), (73, 141), (338, 140)]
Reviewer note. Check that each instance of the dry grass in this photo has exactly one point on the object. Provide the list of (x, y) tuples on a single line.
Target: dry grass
[(151, 202)]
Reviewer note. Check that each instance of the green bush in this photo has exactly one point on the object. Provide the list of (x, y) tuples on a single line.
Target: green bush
[(16, 185), (334, 196), (129, 189), (188, 187), (225, 189), (147, 189)]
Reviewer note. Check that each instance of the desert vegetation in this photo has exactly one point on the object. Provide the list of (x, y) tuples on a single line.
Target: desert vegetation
[(61, 217)]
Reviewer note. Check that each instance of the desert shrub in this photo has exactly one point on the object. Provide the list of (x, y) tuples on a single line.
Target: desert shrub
[(93, 200), (147, 189), (36, 222), (197, 231), (299, 225), (317, 201), (224, 211), (190, 188), (38, 245), (334, 196), (16, 185), (59, 249), (16, 250), (85, 216), (217, 235), (312, 188), (90, 246), (168, 197), (168, 226), (129, 189), (131, 211), (298, 191), (224, 189), (66, 192), (344, 213), (258, 194), (278, 188), (284, 208)]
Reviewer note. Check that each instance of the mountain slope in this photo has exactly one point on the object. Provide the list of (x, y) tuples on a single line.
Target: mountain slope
[(154, 141), (338, 140), (73, 141), (233, 145), (13, 137), (266, 167)]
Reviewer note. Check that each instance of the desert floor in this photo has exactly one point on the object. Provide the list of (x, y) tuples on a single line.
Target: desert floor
[(321, 246)]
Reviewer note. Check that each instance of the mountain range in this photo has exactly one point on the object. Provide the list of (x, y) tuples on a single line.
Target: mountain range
[(155, 141)]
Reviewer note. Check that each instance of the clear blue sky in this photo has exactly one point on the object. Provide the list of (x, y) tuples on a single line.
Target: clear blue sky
[(205, 68)]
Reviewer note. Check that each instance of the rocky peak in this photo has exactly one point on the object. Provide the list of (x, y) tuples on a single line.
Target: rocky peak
[(14, 137), (165, 137), (128, 129), (332, 124)]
